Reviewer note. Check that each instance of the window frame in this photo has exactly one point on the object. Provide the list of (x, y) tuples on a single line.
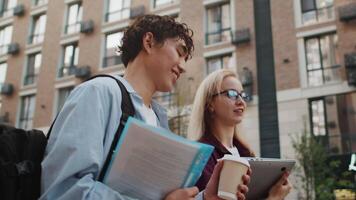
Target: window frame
[(76, 25), (221, 60), (39, 36), (5, 45), (33, 75), (24, 113), (322, 67), (74, 57), (221, 30), (107, 13), (116, 57)]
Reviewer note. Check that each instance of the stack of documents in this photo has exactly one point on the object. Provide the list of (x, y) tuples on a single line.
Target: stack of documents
[(149, 162)]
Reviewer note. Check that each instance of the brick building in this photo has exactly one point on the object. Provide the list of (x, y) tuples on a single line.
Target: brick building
[(297, 72)]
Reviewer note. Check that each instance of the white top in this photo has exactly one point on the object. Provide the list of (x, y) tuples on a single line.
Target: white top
[(149, 115), (234, 151)]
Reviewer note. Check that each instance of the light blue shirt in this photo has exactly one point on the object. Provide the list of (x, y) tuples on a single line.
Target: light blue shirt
[(81, 138)]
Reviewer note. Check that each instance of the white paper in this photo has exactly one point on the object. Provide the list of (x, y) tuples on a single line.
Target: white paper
[(148, 164)]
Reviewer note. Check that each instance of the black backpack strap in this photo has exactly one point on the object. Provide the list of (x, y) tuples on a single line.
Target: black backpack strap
[(127, 111)]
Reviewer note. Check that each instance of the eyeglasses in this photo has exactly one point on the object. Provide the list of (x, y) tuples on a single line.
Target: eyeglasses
[(234, 95)]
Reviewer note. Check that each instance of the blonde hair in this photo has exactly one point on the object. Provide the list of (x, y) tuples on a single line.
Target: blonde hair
[(203, 97)]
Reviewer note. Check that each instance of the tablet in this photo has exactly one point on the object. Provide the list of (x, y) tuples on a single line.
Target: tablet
[(265, 173)]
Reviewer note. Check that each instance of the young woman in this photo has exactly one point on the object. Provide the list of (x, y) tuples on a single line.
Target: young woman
[(218, 108)]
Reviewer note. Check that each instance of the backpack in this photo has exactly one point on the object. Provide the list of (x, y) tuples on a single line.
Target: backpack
[(21, 154)]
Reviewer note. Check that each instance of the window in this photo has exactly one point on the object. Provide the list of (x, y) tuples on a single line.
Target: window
[(333, 122), (27, 111), (38, 29), (179, 124), (111, 43), (5, 38), (158, 3), (70, 60), (40, 2), (117, 10), (322, 60), (7, 7), (317, 11), (218, 24), (33, 68), (63, 93), (75, 13), (3, 68), (218, 62)]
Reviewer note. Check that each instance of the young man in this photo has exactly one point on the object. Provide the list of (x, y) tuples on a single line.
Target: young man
[(154, 50)]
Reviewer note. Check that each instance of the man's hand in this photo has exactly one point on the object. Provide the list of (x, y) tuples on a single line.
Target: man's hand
[(183, 194), (211, 190)]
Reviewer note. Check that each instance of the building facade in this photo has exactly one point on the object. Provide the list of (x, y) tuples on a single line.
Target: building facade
[(47, 47)]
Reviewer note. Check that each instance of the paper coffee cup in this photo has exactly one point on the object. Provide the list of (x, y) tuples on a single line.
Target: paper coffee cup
[(234, 168)]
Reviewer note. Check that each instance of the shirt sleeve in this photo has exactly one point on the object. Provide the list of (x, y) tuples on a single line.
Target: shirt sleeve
[(200, 196), (75, 152)]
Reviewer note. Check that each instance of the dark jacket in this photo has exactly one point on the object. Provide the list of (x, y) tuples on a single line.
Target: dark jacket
[(218, 153)]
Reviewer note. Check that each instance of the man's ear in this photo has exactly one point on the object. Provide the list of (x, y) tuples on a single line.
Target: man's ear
[(148, 42)]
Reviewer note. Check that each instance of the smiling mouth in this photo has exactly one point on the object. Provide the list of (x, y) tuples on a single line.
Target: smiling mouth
[(239, 110)]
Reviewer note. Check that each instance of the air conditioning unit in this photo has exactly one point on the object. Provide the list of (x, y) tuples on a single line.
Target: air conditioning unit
[(7, 89), (351, 76), (82, 72), (87, 26), (19, 10), (350, 60), (137, 11), (241, 36), (347, 12), (13, 48)]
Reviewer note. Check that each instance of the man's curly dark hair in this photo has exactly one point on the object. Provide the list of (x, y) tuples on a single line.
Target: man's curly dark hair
[(162, 28)]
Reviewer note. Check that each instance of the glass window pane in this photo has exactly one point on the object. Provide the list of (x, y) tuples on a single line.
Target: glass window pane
[(218, 23), (324, 3), (27, 111), (158, 3), (68, 55), (75, 13), (3, 69), (214, 64), (62, 96), (117, 10), (313, 54), (33, 68), (318, 119), (39, 29), (5, 38), (70, 60)]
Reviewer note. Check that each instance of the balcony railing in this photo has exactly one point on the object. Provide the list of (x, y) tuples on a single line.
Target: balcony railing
[(36, 38), (66, 71), (324, 75), (72, 28), (318, 15), (111, 60), (218, 36), (117, 15)]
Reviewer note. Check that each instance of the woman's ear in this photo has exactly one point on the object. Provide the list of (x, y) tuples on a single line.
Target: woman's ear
[(211, 108), (148, 41)]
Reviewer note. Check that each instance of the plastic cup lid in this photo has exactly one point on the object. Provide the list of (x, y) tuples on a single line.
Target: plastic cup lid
[(236, 158)]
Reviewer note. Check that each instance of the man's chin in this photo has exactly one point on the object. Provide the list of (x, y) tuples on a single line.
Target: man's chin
[(166, 89)]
